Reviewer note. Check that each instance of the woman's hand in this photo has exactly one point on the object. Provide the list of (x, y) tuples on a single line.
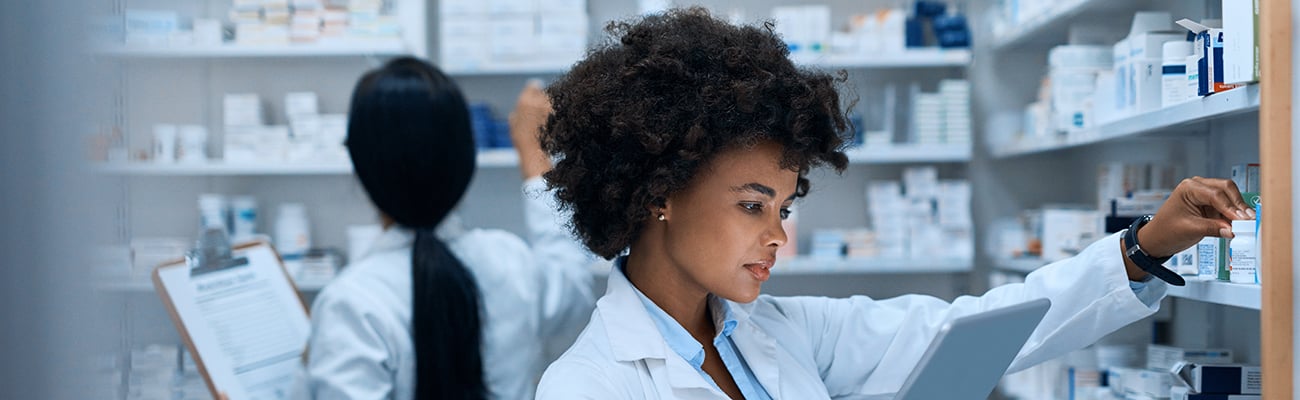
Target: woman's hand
[(1198, 207), (530, 113)]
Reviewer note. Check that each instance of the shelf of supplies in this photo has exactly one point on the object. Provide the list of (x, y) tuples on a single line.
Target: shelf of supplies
[(1025, 265), (146, 286), (523, 68), (910, 153), (915, 58), (811, 266), (495, 158), (1053, 24), (341, 49), (807, 265), (1217, 292), (1218, 105)]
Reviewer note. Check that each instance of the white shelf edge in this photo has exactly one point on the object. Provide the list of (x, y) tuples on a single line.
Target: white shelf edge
[(909, 153), (1217, 292), (930, 57), (1059, 13), (1025, 265), (512, 69), (494, 158), (810, 266), (1218, 105), (350, 48), (807, 265)]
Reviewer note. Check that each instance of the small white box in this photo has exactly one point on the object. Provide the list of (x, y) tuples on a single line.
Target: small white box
[(1066, 232), (1240, 41), (242, 109), (1165, 357), (512, 6)]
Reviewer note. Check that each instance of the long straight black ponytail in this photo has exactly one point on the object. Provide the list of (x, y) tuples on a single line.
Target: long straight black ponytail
[(445, 323), (412, 149)]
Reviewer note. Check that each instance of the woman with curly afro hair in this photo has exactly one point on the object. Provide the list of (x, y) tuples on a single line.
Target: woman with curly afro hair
[(681, 145)]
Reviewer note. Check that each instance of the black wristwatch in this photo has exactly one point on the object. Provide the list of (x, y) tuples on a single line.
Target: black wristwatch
[(1152, 265)]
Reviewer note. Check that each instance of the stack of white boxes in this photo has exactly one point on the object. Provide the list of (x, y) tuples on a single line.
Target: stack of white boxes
[(511, 34), (806, 30), (956, 110), (367, 20), (931, 220), (885, 206), (943, 117), (305, 25), (153, 369)]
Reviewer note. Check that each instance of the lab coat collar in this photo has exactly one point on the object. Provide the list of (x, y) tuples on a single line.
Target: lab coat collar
[(634, 336), (398, 237)]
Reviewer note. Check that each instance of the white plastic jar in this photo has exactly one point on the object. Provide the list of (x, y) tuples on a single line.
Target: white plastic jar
[(1243, 261)]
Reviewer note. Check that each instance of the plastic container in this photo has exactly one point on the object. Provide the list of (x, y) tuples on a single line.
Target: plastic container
[(1242, 257), (164, 143), (212, 211), (292, 231), (1173, 76), (243, 218)]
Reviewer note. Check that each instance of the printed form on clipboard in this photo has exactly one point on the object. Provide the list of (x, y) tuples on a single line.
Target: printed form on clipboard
[(242, 320)]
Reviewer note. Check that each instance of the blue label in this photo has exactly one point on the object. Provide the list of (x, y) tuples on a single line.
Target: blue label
[(1174, 70)]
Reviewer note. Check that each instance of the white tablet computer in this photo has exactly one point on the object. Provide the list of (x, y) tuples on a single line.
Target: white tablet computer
[(970, 354)]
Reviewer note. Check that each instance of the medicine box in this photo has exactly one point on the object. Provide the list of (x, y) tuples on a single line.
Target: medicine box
[(1165, 357), (1222, 378), (1184, 393), (1240, 41)]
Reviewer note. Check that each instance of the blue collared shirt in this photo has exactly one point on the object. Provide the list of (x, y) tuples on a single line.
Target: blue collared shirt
[(690, 350)]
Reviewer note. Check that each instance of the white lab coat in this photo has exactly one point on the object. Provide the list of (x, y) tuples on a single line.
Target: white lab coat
[(817, 348), (361, 348)]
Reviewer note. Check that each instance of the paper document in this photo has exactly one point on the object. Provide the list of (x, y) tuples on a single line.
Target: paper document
[(245, 323)]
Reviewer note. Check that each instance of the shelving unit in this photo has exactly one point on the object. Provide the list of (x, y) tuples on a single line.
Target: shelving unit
[(1050, 25), (915, 58), (120, 285), (807, 265), (495, 158), (902, 153), (341, 49), (1219, 105), (1217, 292)]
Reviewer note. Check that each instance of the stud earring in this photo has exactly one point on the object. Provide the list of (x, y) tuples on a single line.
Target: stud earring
[(662, 217)]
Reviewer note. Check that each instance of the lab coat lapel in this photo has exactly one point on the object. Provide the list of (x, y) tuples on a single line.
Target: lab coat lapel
[(759, 350), (635, 338)]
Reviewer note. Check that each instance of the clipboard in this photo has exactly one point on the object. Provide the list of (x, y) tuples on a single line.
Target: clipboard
[(241, 317)]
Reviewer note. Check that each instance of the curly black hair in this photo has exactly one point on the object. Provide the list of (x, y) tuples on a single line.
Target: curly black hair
[(634, 121)]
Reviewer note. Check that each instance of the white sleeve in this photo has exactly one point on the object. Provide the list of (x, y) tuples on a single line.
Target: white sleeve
[(865, 346), (566, 295), (346, 356)]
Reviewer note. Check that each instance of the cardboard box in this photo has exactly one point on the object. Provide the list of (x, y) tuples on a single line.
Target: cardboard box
[(1240, 41), (1220, 379), (1164, 358)]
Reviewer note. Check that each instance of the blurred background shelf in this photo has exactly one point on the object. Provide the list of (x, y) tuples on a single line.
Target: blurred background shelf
[(343, 49), (496, 158), (910, 153), (1218, 105), (1217, 292)]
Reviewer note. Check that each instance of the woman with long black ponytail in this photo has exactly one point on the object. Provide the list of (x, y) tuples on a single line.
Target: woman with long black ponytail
[(433, 310)]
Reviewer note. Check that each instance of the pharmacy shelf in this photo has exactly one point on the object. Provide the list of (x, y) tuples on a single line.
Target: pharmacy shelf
[(526, 69), (811, 266), (808, 265), (1024, 265), (120, 285), (900, 154), (1217, 292), (351, 48), (496, 158), (1218, 105), (1053, 24), (916, 58)]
